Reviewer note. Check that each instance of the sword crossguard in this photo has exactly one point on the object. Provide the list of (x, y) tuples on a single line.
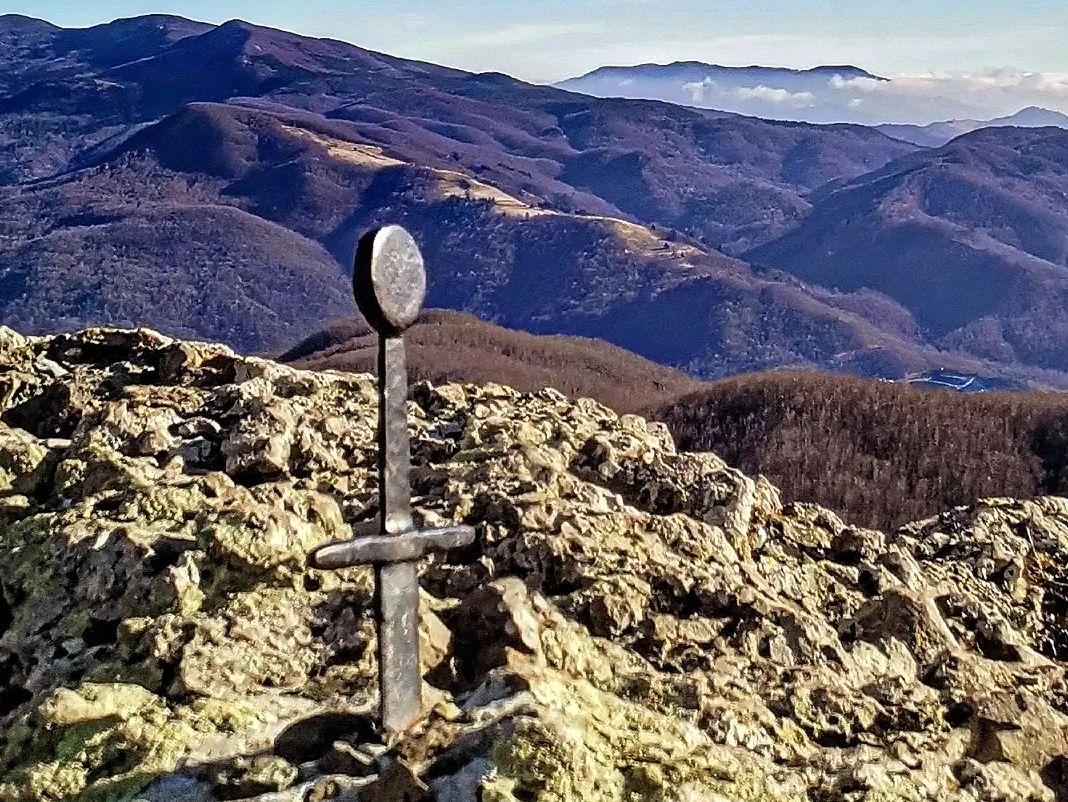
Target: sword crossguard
[(394, 548)]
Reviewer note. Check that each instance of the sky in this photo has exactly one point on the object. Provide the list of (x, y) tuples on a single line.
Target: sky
[(547, 40)]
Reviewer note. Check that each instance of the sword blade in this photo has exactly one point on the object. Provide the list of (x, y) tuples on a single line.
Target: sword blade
[(397, 584), (394, 460), (399, 671)]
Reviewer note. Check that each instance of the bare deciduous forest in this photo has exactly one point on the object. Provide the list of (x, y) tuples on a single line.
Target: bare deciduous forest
[(881, 454), (446, 346)]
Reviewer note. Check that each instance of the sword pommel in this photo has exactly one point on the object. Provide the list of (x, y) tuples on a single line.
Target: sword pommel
[(388, 279)]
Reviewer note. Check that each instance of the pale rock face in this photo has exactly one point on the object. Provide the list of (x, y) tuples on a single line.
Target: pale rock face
[(634, 623)]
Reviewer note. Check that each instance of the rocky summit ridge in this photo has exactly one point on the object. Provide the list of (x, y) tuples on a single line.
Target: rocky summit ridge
[(633, 622)]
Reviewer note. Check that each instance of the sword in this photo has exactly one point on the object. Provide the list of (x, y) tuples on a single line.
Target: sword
[(389, 283)]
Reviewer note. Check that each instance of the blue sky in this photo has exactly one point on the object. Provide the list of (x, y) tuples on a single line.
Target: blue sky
[(543, 40)]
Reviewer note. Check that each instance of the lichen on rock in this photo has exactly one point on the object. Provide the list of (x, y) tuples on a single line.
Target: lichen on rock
[(632, 623)]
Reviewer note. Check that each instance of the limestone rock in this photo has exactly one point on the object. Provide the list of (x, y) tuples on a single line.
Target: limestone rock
[(634, 622), (23, 461)]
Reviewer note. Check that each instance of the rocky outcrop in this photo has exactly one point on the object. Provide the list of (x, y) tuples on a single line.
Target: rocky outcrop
[(632, 623)]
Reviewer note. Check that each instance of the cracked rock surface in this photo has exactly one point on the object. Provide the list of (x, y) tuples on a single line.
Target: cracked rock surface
[(632, 623)]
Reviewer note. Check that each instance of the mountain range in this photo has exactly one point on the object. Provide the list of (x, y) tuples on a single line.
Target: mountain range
[(937, 134), (972, 238), (900, 106), (211, 181), (814, 95)]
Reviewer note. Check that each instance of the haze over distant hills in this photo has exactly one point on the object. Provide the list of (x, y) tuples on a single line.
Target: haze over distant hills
[(211, 181), (835, 94), (938, 134), (773, 92)]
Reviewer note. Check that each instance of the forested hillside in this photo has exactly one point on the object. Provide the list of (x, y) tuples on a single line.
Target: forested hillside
[(879, 453)]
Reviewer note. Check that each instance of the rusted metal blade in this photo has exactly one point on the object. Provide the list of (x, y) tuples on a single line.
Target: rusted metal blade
[(394, 460), (400, 682), (397, 585)]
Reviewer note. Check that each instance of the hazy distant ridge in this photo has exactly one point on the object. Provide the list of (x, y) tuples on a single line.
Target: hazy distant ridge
[(937, 134), (837, 93)]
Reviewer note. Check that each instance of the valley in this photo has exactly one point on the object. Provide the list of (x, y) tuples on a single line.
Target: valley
[(211, 181)]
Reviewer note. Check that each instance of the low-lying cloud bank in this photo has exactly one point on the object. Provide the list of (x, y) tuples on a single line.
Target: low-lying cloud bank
[(925, 99), (707, 89), (832, 94)]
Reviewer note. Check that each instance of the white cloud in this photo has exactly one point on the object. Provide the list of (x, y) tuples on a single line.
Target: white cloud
[(780, 97), (701, 90), (936, 97), (917, 99), (708, 92)]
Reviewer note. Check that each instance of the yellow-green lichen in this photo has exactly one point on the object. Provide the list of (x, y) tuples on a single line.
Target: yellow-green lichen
[(103, 741), (593, 746)]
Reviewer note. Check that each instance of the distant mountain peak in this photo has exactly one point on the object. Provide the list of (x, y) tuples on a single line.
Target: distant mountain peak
[(21, 22), (142, 20), (237, 24), (653, 68), (1033, 116), (847, 70), (940, 133), (820, 94)]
